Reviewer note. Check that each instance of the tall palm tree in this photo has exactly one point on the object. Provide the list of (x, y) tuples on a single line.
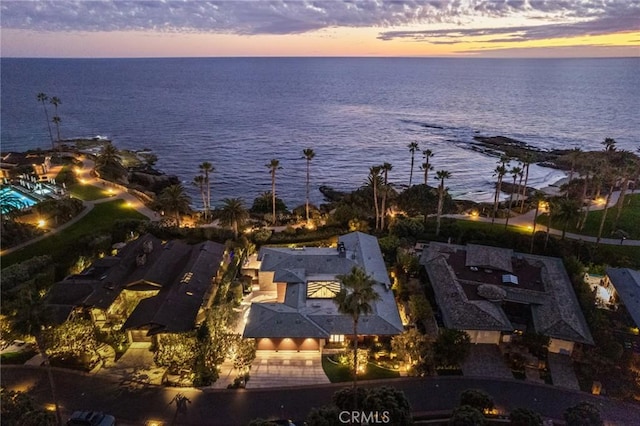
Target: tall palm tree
[(309, 154), (610, 180), (29, 319), (207, 168), (537, 197), (174, 200), (55, 101), (441, 175), (198, 181), (552, 208), (413, 147), (374, 175), (574, 157), (233, 213), (629, 167), (609, 144), (515, 172), (499, 172), (42, 97), (527, 159), (355, 299), (426, 166), (109, 156), (273, 166), (386, 168)]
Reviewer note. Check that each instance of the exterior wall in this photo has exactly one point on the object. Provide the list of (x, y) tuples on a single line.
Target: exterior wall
[(287, 344), (282, 291), (484, 336), (266, 280), (561, 346)]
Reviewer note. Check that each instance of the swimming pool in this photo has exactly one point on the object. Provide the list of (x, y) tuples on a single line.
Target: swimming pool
[(11, 199)]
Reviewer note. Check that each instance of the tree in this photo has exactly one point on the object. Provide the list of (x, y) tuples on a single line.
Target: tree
[(426, 166), (42, 97), (108, 162), (609, 144), (476, 398), (466, 415), (583, 414), (55, 101), (198, 181), (411, 346), (536, 198), (30, 319), (515, 172), (385, 168), (309, 154), (273, 166), (207, 168), (19, 409), (354, 299), (628, 165), (441, 175), (379, 399), (451, 347), (574, 156), (499, 171), (413, 147), (233, 214), (527, 159), (374, 176), (609, 179), (567, 210), (174, 200), (525, 417)]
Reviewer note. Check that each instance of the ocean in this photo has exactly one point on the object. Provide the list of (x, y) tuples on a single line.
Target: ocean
[(238, 113)]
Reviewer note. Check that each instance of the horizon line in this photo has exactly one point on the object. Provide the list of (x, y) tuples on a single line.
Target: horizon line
[(322, 57)]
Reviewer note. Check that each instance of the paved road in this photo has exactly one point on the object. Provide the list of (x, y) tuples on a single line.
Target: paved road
[(238, 407)]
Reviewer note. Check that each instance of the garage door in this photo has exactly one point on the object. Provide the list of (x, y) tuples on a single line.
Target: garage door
[(288, 344), (140, 336)]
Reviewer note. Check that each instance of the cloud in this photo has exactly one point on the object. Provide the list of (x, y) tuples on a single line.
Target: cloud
[(277, 16), (612, 18)]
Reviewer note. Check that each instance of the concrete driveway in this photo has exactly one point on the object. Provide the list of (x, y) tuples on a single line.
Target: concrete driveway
[(281, 369)]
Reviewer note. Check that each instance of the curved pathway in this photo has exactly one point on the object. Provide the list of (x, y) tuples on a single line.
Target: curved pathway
[(136, 405)]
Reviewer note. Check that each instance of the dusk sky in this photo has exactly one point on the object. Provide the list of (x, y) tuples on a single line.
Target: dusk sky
[(500, 28)]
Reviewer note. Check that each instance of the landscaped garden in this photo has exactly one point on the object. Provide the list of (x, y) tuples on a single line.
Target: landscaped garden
[(339, 371), (88, 192)]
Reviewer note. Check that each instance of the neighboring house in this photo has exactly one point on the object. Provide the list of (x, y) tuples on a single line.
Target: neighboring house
[(24, 162), (304, 282), (493, 293), (625, 286), (150, 287)]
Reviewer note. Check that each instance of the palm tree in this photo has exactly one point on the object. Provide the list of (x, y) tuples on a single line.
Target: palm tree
[(413, 147), (55, 101), (109, 157), (386, 168), (427, 154), (441, 175), (609, 144), (567, 210), (374, 175), (537, 197), (499, 171), (552, 208), (273, 166), (574, 156), (233, 213), (515, 172), (42, 97), (354, 299), (609, 179), (198, 181), (628, 169), (174, 200), (207, 168), (309, 154), (29, 319), (527, 159)]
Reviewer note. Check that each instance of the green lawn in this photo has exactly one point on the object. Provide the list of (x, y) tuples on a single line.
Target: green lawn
[(341, 373), (100, 220), (628, 222), (88, 192), (17, 357)]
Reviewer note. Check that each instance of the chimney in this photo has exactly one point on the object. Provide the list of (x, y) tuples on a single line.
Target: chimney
[(141, 259), (342, 251)]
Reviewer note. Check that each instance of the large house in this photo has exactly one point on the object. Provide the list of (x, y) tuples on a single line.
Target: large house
[(493, 293), (303, 282), (23, 162), (150, 287), (624, 284)]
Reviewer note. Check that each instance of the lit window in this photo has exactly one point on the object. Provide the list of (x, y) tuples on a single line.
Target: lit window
[(336, 338)]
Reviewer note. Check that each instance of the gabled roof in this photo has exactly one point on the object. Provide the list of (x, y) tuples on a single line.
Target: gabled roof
[(627, 284), (296, 267), (489, 257), (555, 309)]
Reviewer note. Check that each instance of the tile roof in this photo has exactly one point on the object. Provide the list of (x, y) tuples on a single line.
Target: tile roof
[(297, 266), (489, 257), (555, 309), (627, 284)]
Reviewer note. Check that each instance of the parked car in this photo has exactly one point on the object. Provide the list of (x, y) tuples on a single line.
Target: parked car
[(90, 418)]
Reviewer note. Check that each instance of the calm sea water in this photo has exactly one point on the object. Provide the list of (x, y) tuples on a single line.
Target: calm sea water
[(354, 112)]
